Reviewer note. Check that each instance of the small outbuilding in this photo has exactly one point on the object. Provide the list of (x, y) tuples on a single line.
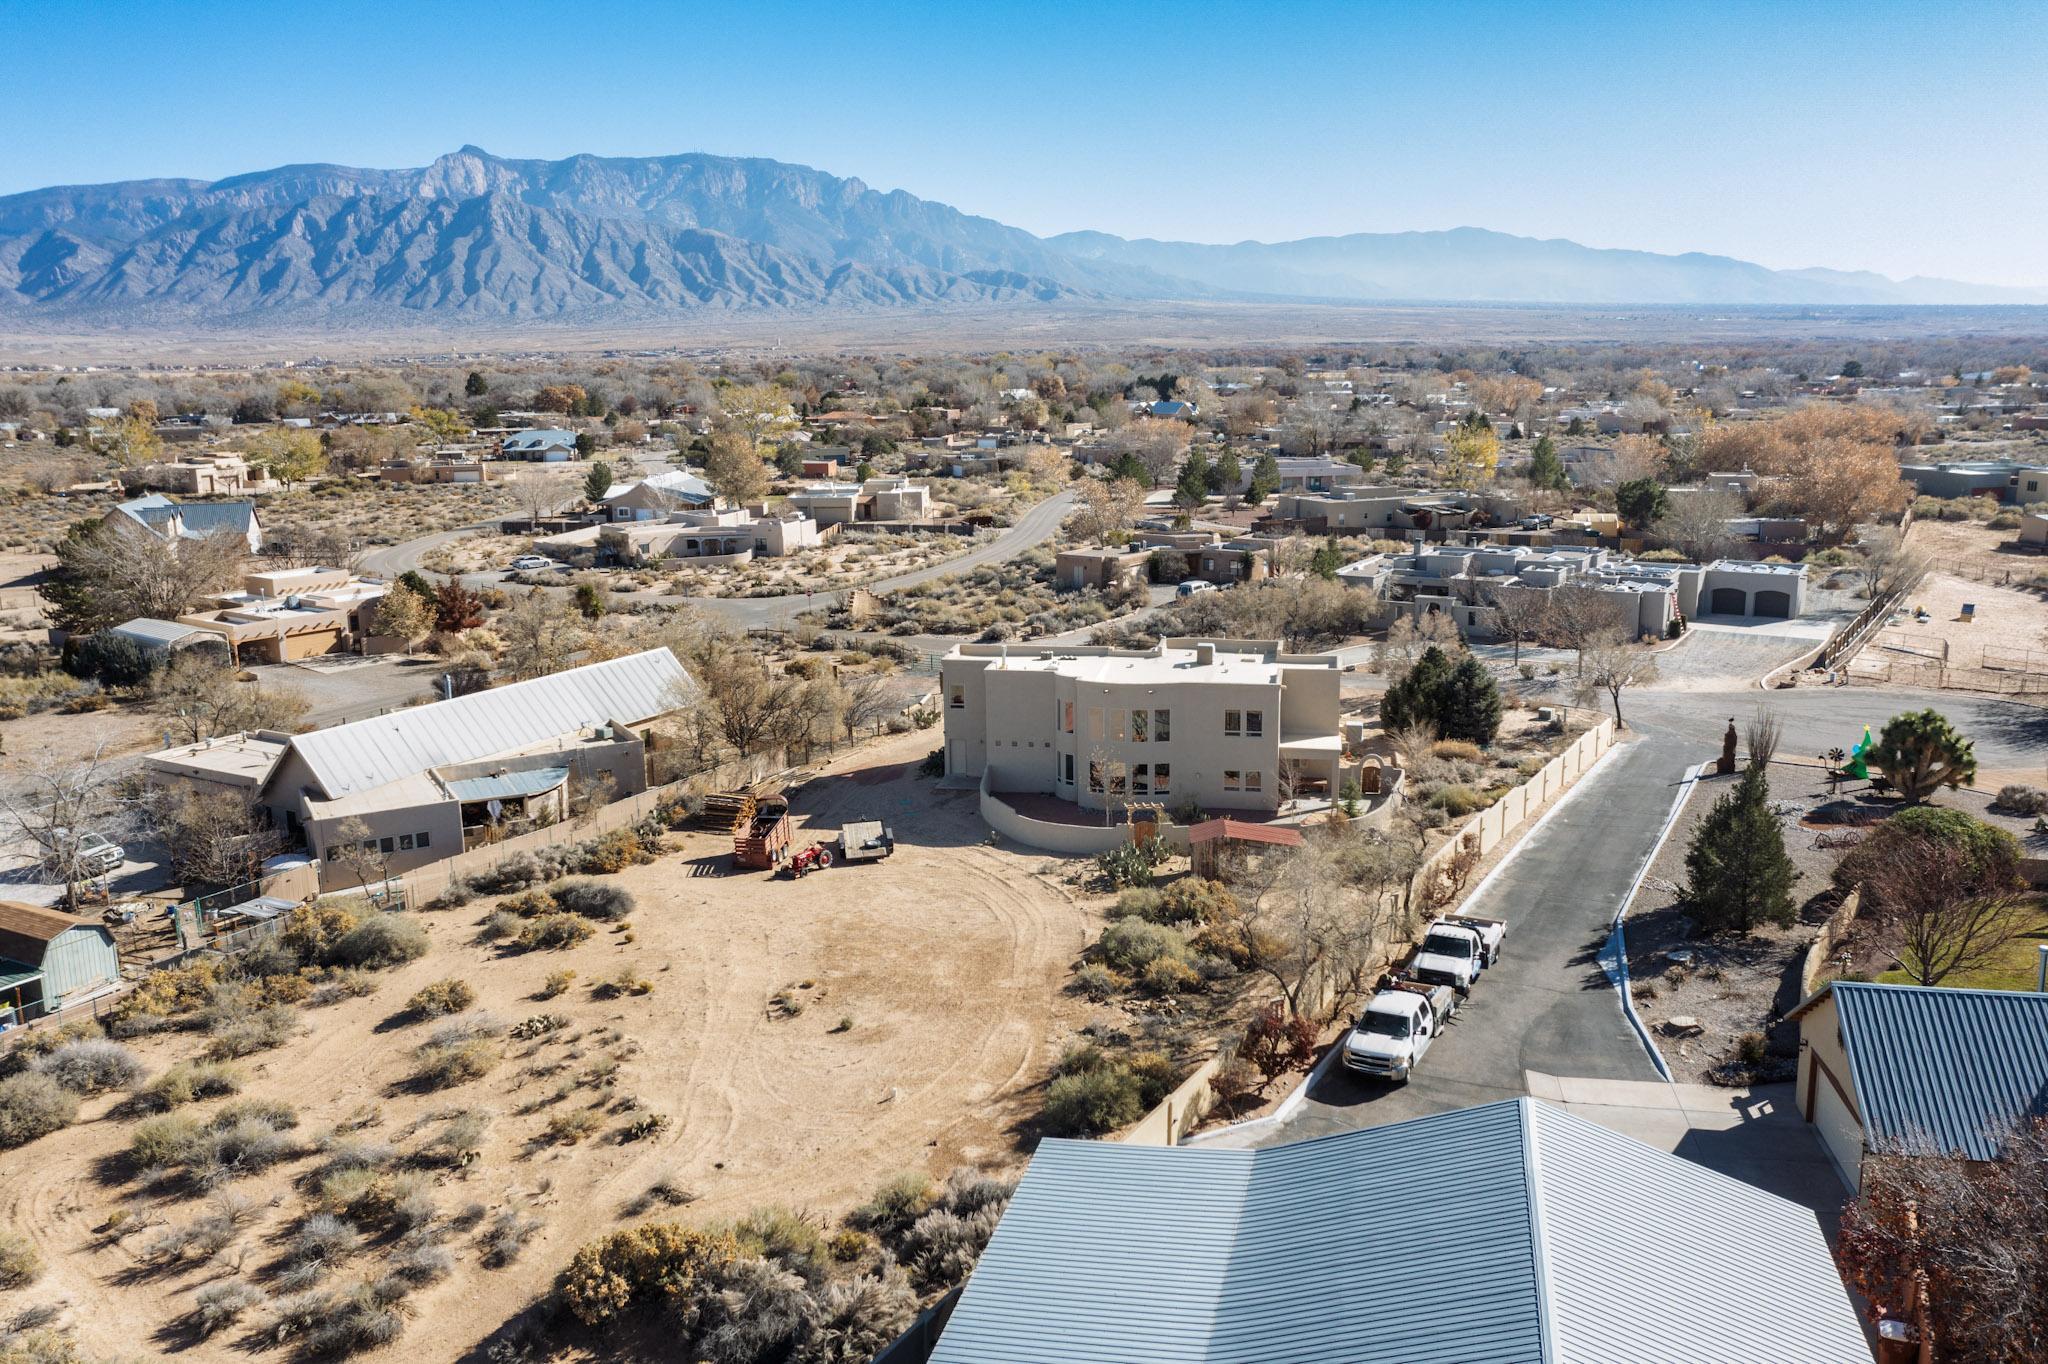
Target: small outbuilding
[(1215, 843), (49, 960)]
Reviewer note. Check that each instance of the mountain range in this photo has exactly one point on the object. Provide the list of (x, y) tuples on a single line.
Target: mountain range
[(476, 237)]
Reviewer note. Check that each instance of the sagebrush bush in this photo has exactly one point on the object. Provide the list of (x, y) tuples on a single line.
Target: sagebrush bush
[(617, 1272), (1130, 945), (593, 900), (21, 1264), (2020, 799), (552, 932), (1091, 1102), (1139, 902), (1458, 801), (571, 1125), (1098, 982), (441, 1065), (92, 1065), (380, 942), (219, 1306), (506, 1237), (1455, 750), (441, 997), (901, 1200), (1194, 900), (234, 1034), (1169, 976), (33, 1105)]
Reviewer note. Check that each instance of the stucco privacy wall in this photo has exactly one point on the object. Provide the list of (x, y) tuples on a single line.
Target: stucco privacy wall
[(1181, 1110)]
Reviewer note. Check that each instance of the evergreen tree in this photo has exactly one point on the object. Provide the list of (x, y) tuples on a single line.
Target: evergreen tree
[(1327, 559), (474, 385), (1738, 873), (1469, 705), (598, 481), (1265, 479), (1191, 489), (1227, 473), (1546, 470), (1640, 501), (1417, 699)]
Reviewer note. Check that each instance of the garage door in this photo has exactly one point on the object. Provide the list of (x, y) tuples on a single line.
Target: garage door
[(1777, 605), (1730, 601), (1838, 1128)]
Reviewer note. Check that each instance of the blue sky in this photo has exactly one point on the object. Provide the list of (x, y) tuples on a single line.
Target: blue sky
[(1892, 137)]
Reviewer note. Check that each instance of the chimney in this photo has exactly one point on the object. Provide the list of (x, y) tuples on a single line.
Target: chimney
[(2041, 973), (1205, 654)]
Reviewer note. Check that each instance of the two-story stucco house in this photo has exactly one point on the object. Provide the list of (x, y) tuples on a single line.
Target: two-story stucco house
[(1231, 725)]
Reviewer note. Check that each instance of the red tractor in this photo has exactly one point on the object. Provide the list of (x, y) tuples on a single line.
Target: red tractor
[(817, 857)]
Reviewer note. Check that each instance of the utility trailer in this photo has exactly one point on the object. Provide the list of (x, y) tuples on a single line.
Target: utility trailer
[(763, 841), (867, 840)]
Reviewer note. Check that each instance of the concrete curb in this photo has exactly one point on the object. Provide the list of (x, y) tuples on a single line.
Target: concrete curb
[(1616, 948)]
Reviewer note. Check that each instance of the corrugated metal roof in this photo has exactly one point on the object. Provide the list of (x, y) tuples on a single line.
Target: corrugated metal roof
[(1943, 1068), (1652, 1259), (147, 630), (1494, 1235), (366, 754), (509, 785)]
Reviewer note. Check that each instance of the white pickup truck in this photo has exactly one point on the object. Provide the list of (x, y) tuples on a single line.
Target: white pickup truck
[(1455, 950), (1397, 1028)]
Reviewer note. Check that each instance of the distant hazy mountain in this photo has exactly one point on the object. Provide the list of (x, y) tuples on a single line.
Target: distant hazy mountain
[(1469, 264), (475, 237)]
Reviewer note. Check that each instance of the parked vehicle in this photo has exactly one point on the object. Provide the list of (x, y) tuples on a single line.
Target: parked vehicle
[(1456, 950), (1537, 522), (1194, 585), (532, 563), (817, 857), (97, 854), (1399, 1025), (763, 841), (867, 840)]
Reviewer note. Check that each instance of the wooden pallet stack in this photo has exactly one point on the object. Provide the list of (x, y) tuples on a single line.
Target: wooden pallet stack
[(727, 812)]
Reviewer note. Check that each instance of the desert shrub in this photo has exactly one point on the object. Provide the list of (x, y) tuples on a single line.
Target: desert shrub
[(527, 903), (1168, 975), (634, 1265), (785, 1237), (380, 942), (91, 1065), (1155, 1073), (1130, 945), (461, 1138), (1140, 902), (324, 1239), (219, 1306), (1450, 749), (2020, 799), (571, 1125), (642, 1126), (1098, 982), (1457, 801), (20, 1263), (310, 932), (506, 1237), (901, 1200), (847, 1245), (446, 1062), (187, 1081), (1132, 864), (33, 1105), (1194, 900), (337, 984), (1091, 1102), (168, 993), (557, 982), (1750, 1048), (165, 1141), (593, 900), (34, 1046), (234, 1033), (363, 1317), (613, 852), (422, 1265), (941, 1247), (627, 982), (440, 998), (551, 932)]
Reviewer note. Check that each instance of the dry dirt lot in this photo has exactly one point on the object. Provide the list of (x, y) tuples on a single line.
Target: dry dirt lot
[(944, 964)]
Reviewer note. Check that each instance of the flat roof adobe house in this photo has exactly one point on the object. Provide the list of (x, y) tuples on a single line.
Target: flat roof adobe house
[(422, 778), (1529, 1236), (1908, 1070), (1232, 725)]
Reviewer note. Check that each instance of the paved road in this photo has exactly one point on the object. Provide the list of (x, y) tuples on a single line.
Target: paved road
[(1546, 1005), (1033, 528)]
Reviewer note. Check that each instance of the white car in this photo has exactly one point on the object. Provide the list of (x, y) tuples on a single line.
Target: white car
[(532, 563), (97, 854), (1194, 585)]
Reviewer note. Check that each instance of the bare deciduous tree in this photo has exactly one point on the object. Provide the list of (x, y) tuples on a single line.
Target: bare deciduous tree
[(204, 697), (1520, 615), (1887, 563), (1942, 906), (1612, 663), (53, 810), (1696, 525)]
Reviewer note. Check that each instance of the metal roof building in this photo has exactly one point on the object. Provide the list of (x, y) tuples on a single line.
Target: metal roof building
[(1929, 1070), (366, 754), (1511, 1233)]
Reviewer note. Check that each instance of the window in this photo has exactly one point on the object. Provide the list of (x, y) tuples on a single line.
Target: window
[(1066, 717), (1141, 779), (387, 846), (423, 841), (1095, 723), (1231, 779), (1120, 725), (1254, 723), (1161, 772), (1253, 781), (1067, 769), (1141, 725), (958, 700), (1162, 726), (1095, 776), (405, 842), (1233, 723), (333, 853)]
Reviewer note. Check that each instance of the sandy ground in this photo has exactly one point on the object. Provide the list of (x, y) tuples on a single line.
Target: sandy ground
[(946, 962), (2009, 627)]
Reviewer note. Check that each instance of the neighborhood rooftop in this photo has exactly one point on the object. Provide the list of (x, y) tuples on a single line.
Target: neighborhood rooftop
[(1568, 1243), (366, 754), (1936, 1071)]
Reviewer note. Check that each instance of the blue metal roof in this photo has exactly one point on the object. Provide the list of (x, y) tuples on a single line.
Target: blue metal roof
[(508, 785), (1943, 1069), (1502, 1234)]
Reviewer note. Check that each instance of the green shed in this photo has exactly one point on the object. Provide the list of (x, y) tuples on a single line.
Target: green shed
[(48, 960)]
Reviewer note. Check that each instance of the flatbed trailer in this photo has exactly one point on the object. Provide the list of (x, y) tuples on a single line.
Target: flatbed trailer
[(867, 840)]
